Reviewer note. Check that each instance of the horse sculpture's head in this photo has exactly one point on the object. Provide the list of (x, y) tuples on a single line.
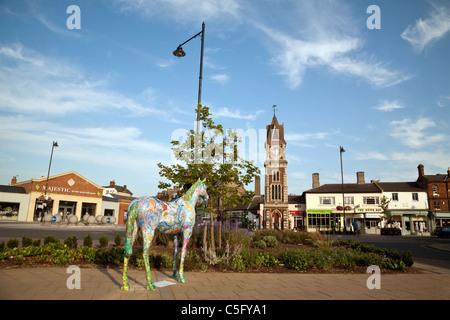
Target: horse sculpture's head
[(203, 192)]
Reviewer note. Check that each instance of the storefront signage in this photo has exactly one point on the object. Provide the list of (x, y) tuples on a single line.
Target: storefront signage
[(72, 191), (368, 210)]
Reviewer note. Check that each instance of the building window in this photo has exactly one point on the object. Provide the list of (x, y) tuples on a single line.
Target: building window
[(395, 197), (327, 200), (437, 205), (349, 200), (415, 196), (371, 200), (435, 190), (276, 192), (276, 176)]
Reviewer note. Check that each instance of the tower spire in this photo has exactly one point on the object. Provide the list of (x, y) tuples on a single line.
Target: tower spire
[(274, 109)]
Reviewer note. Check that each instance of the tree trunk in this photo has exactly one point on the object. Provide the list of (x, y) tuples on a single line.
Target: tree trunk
[(220, 233), (205, 233)]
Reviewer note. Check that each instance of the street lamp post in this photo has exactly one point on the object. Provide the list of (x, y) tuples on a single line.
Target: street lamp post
[(341, 150), (180, 53), (55, 144)]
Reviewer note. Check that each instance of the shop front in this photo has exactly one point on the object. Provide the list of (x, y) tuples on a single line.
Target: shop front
[(64, 194), (369, 219), (410, 222), (323, 220)]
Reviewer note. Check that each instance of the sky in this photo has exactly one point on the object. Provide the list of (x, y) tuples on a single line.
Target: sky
[(101, 80)]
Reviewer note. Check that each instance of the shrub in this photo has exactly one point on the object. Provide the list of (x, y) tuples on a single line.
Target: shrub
[(71, 242), (51, 239), (118, 240), (2, 245), (260, 244), (103, 241), (238, 263), (268, 260), (296, 259), (12, 243), (37, 243), (407, 258), (87, 241), (270, 241), (26, 242), (87, 253)]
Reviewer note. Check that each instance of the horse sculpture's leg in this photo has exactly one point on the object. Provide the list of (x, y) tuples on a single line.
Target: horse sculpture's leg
[(186, 236), (130, 238), (148, 236), (175, 254)]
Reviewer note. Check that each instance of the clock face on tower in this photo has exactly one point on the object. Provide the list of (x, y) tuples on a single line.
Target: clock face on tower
[(275, 152)]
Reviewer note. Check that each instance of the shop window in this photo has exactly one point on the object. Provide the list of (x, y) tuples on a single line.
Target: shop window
[(109, 212), (88, 208), (9, 211)]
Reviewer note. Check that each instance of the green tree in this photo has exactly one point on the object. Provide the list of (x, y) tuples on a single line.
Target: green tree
[(211, 154)]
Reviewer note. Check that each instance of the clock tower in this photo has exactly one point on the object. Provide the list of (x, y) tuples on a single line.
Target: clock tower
[(275, 212)]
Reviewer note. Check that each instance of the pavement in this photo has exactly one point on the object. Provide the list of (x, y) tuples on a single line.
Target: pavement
[(56, 283)]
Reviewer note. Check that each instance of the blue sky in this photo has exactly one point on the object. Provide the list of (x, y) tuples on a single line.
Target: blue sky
[(113, 95)]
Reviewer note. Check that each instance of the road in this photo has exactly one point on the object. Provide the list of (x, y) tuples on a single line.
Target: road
[(424, 249), (39, 231)]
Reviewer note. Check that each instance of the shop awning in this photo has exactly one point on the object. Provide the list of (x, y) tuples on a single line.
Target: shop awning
[(442, 215), (407, 212)]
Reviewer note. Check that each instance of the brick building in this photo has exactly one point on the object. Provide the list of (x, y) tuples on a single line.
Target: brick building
[(437, 187)]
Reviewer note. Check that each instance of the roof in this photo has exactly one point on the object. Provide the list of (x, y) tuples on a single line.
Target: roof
[(12, 189), (348, 188), (401, 186), (435, 178)]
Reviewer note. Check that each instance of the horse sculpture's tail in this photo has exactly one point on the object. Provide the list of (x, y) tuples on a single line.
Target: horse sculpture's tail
[(132, 226)]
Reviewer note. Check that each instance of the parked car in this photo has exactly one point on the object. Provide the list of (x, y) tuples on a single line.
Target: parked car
[(444, 232), (437, 230)]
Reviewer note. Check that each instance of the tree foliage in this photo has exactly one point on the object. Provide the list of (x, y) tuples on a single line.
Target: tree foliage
[(210, 154)]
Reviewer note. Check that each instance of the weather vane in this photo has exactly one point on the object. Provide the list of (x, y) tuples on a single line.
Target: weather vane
[(274, 108)]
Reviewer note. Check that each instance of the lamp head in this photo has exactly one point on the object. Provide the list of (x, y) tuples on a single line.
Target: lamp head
[(179, 52)]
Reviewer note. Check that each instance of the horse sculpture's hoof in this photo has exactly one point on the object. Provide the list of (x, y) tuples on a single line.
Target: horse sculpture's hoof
[(125, 287), (180, 278)]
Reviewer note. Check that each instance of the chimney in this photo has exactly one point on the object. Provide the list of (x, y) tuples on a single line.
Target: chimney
[(421, 170), (13, 180), (257, 186), (360, 177), (125, 188), (315, 180), (112, 183)]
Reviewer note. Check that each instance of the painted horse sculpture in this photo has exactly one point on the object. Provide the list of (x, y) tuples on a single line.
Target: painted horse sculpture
[(176, 217)]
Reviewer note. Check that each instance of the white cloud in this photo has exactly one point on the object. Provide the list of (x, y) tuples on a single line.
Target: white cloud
[(389, 106), (415, 134), (220, 78), (443, 101), (334, 50), (35, 84), (432, 29), (184, 10), (235, 114)]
